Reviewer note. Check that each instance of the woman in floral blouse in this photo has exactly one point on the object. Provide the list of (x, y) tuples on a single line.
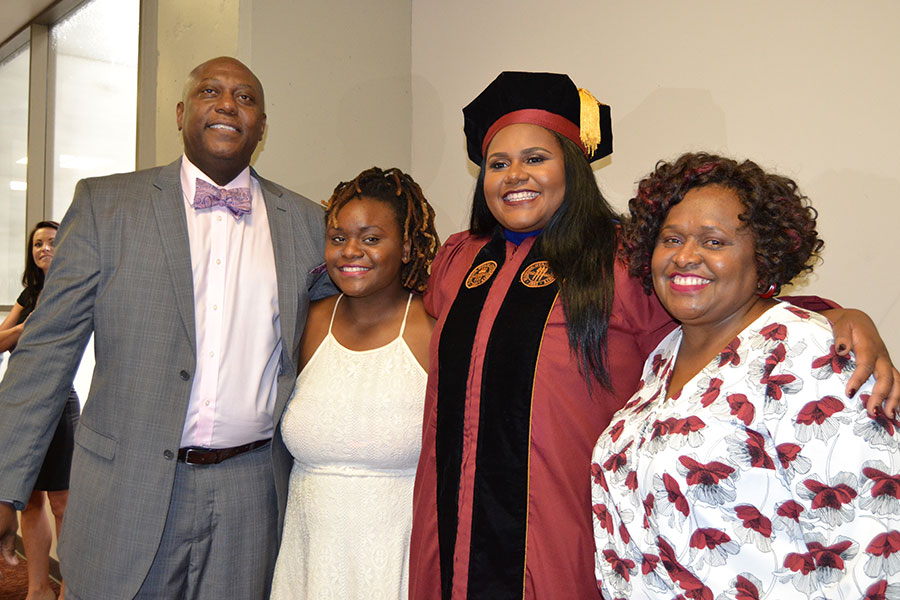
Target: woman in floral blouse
[(740, 469)]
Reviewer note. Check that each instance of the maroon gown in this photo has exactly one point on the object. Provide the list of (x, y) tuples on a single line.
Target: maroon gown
[(564, 425)]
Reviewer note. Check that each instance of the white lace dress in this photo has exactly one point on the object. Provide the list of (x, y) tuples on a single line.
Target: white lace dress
[(354, 427)]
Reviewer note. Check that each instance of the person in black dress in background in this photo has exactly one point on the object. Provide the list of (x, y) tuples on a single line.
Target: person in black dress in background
[(53, 480)]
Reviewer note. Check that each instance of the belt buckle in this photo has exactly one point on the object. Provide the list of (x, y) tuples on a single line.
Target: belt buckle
[(187, 456)]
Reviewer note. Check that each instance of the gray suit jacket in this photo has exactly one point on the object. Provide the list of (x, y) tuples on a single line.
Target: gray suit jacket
[(122, 270)]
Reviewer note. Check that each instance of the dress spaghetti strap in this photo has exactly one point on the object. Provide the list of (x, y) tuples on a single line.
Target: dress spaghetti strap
[(334, 310), (405, 314), (402, 325)]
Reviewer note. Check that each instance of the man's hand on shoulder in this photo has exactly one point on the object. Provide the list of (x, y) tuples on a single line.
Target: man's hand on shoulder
[(8, 527)]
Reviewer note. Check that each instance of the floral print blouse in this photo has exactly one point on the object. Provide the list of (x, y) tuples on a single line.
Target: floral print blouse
[(760, 479)]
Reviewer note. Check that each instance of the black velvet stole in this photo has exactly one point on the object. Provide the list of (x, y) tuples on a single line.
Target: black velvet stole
[(500, 503), (454, 354)]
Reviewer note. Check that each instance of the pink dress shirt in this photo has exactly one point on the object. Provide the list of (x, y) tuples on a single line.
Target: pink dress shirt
[(238, 329)]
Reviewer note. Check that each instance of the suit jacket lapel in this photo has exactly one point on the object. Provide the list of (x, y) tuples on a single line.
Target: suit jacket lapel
[(280, 226), (168, 205)]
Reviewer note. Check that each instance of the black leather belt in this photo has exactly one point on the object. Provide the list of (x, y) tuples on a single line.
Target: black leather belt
[(213, 456)]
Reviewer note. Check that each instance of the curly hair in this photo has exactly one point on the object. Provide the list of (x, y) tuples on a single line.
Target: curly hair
[(780, 218), (33, 277), (580, 243), (415, 217)]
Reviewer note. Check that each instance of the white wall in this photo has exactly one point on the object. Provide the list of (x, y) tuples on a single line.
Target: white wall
[(806, 88), (338, 92), (336, 76)]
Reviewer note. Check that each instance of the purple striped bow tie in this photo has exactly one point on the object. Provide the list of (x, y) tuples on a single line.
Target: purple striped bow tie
[(237, 200)]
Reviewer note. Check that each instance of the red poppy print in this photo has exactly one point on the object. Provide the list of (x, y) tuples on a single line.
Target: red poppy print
[(637, 399), (880, 590), (744, 587), (712, 392), (604, 518), (658, 430), (881, 490), (787, 518), (656, 363), (816, 419), (877, 430), (688, 426), (631, 481), (623, 533), (729, 356), (753, 527), (831, 559), (648, 509), (800, 563), (598, 476), (670, 496), (709, 482), (800, 568), (756, 448), (791, 460), (712, 546), (692, 586), (644, 406), (690, 430), (617, 462), (774, 332), (648, 563), (652, 576), (620, 569), (803, 314), (616, 430), (752, 519), (776, 386), (741, 408), (774, 358), (674, 432), (832, 363), (884, 555), (747, 448), (831, 503)]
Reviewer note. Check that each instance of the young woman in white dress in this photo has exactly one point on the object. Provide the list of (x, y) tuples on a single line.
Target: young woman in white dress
[(354, 423)]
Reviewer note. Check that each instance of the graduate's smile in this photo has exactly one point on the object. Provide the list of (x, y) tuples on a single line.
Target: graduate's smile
[(524, 177)]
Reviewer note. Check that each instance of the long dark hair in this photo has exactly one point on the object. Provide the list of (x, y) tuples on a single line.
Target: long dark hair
[(33, 277), (580, 242)]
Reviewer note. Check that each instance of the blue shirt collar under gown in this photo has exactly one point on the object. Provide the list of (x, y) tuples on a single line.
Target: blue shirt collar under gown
[(517, 237)]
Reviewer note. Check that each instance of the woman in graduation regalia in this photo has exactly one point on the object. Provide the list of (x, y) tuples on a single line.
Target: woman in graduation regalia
[(540, 338), (540, 334)]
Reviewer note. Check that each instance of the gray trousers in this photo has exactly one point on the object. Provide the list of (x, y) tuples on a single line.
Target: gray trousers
[(220, 538)]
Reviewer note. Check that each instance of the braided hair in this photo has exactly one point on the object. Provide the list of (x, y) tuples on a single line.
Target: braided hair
[(414, 216)]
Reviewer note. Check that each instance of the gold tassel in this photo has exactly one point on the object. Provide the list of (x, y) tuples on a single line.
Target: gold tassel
[(590, 121)]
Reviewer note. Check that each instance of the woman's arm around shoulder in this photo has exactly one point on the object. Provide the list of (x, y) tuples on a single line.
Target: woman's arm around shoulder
[(854, 330), (317, 320), (9, 329)]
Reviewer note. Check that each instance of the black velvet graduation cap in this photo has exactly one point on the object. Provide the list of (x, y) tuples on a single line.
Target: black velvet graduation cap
[(550, 100)]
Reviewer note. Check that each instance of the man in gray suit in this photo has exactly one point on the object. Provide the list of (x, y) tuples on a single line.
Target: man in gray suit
[(195, 280)]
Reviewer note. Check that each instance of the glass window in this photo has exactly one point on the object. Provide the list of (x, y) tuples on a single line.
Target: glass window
[(94, 52), (13, 163)]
